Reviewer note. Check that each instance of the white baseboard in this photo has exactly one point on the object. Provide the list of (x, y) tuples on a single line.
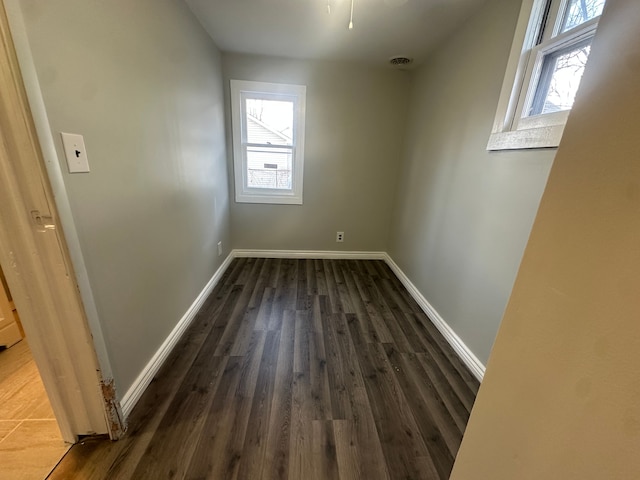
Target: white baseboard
[(313, 254), (465, 354), (141, 383)]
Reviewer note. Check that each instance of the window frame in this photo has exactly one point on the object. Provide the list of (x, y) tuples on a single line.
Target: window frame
[(241, 90), (537, 35)]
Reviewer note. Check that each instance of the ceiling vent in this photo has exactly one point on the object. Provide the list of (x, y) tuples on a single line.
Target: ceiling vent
[(400, 61)]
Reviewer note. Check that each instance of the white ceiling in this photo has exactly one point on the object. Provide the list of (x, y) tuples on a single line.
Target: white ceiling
[(304, 29)]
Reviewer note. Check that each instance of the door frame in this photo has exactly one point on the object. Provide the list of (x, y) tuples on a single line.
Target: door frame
[(40, 251)]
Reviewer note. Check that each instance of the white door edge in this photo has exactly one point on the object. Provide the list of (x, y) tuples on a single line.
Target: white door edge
[(96, 408)]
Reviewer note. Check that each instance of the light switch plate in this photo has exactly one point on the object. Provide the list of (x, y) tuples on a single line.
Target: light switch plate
[(75, 152)]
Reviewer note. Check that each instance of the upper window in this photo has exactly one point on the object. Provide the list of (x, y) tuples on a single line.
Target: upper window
[(548, 57), (268, 141)]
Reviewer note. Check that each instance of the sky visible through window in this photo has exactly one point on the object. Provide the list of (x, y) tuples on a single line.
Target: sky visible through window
[(275, 114)]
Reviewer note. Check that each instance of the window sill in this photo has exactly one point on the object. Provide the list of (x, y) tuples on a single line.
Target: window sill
[(539, 137), (269, 199)]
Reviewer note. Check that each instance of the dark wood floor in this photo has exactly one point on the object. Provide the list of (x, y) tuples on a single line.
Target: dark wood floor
[(296, 369)]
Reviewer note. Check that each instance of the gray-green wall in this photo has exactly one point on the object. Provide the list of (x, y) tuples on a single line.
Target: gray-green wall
[(463, 215), (355, 123), (418, 183), (141, 80), (560, 400), (396, 160)]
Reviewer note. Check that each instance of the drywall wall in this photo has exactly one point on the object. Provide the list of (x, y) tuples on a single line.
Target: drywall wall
[(463, 215), (561, 395), (146, 93), (355, 121)]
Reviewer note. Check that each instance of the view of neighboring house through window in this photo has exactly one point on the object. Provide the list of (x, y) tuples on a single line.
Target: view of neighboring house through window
[(549, 55), (268, 131), (269, 143)]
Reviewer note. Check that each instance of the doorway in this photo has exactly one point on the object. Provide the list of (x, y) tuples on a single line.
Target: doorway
[(30, 441), (35, 256)]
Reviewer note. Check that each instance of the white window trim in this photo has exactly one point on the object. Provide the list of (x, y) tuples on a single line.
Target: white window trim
[(243, 193), (510, 131)]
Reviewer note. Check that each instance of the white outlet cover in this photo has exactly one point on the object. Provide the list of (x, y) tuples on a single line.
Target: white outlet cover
[(76, 152)]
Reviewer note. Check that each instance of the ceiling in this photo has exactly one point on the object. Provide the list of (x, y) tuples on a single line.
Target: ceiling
[(304, 29)]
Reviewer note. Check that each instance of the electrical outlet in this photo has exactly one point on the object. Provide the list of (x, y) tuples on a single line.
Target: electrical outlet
[(339, 236), (219, 248)]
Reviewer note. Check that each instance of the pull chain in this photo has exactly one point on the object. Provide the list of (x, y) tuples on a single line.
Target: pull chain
[(351, 19)]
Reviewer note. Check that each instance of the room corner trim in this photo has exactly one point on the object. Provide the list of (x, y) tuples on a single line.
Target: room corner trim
[(141, 383), (466, 355), (309, 254)]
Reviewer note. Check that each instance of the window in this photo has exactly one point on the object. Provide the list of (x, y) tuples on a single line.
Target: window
[(548, 56), (268, 141)]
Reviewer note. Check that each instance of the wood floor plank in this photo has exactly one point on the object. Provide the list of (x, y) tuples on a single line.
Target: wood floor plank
[(101, 462), (324, 457), (252, 310), (381, 268), (411, 369), (286, 292), (256, 437), (359, 306), (221, 441), (276, 459), (296, 369), (340, 403), (210, 457), (446, 378), (301, 359), (433, 332), (321, 277), (332, 286), (246, 273), (395, 306), (274, 273), (346, 450), (303, 299), (318, 375), (381, 332), (440, 358), (184, 419), (312, 280), (362, 427), (88, 460), (189, 401), (234, 271), (399, 434), (243, 316), (458, 411), (393, 317), (422, 406), (300, 461), (337, 269), (264, 312)]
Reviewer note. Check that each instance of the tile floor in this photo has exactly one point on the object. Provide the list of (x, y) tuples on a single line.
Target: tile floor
[(30, 442)]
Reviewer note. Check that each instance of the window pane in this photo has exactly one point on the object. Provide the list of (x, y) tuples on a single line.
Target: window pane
[(581, 11), (269, 121), (269, 168), (559, 79)]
